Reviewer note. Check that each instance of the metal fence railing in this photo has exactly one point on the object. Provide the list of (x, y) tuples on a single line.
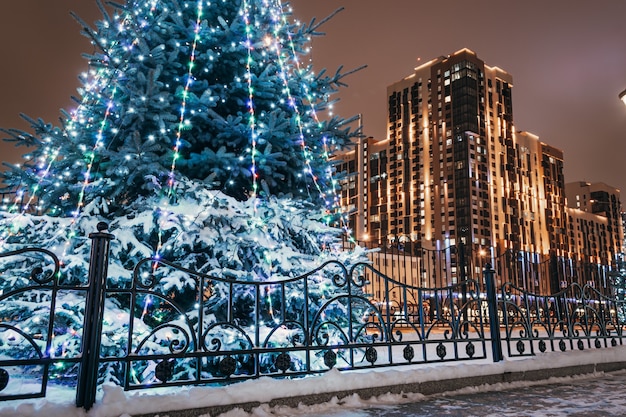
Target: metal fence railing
[(218, 330), (413, 264)]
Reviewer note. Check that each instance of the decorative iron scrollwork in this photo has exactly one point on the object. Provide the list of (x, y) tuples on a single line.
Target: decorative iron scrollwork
[(613, 342), (164, 370), (408, 353), (371, 355), (542, 346), (339, 280), (227, 366), (598, 345), (39, 274), (36, 273), (520, 347), (330, 358), (283, 361), (562, 345), (581, 345), (4, 378), (470, 349), (361, 280), (441, 350), (146, 281)]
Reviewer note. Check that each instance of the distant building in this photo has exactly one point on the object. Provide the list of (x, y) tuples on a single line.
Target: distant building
[(453, 172), (595, 226)]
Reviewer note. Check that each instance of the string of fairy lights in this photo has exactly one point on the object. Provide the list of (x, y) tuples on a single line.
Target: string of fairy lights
[(171, 179), (250, 103), (183, 106), (336, 204), (87, 175), (106, 79), (275, 43)]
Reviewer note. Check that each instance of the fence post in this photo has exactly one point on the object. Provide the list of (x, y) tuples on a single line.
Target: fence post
[(494, 322), (94, 309), (463, 277)]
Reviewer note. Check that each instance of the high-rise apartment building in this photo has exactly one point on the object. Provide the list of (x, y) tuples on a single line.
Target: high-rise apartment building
[(453, 171), (597, 206)]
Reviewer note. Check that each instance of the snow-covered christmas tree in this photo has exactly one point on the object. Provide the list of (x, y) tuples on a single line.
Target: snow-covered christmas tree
[(200, 136)]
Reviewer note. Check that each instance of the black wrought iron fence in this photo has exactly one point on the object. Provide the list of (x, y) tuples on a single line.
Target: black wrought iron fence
[(578, 317), (216, 330), (37, 347), (439, 266)]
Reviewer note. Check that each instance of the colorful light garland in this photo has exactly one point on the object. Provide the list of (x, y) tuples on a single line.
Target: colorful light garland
[(278, 15), (250, 103), (181, 124), (273, 41)]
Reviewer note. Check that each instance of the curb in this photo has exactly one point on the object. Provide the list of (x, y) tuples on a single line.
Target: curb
[(425, 388)]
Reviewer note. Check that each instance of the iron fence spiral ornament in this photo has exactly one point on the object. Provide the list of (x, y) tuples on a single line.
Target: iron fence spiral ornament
[(562, 345), (212, 338), (441, 350), (339, 281), (470, 349), (38, 274), (227, 366), (164, 370), (330, 359), (542, 346), (214, 345), (358, 272), (146, 281), (178, 341), (581, 345), (408, 353), (521, 347), (283, 362), (371, 355), (296, 340), (360, 280), (597, 344), (397, 335)]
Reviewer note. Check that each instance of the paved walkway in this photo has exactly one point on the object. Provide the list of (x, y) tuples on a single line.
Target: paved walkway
[(596, 396)]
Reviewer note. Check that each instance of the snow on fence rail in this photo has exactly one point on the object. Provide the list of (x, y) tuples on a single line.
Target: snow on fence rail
[(214, 330)]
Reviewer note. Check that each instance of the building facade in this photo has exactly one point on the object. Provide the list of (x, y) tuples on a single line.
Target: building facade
[(595, 225), (454, 176)]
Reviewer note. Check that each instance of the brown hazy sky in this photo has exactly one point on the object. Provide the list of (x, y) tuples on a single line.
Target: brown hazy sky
[(567, 59)]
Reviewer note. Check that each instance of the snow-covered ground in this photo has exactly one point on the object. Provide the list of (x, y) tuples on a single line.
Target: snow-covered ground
[(581, 396), (115, 402)]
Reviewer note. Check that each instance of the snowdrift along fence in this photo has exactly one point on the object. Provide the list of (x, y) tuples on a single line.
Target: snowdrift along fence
[(216, 330)]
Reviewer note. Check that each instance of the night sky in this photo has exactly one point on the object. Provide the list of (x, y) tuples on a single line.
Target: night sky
[(567, 59)]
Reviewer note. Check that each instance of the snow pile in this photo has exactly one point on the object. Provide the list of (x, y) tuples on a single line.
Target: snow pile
[(116, 403)]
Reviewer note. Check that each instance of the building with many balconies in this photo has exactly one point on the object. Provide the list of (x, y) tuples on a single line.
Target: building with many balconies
[(453, 171)]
